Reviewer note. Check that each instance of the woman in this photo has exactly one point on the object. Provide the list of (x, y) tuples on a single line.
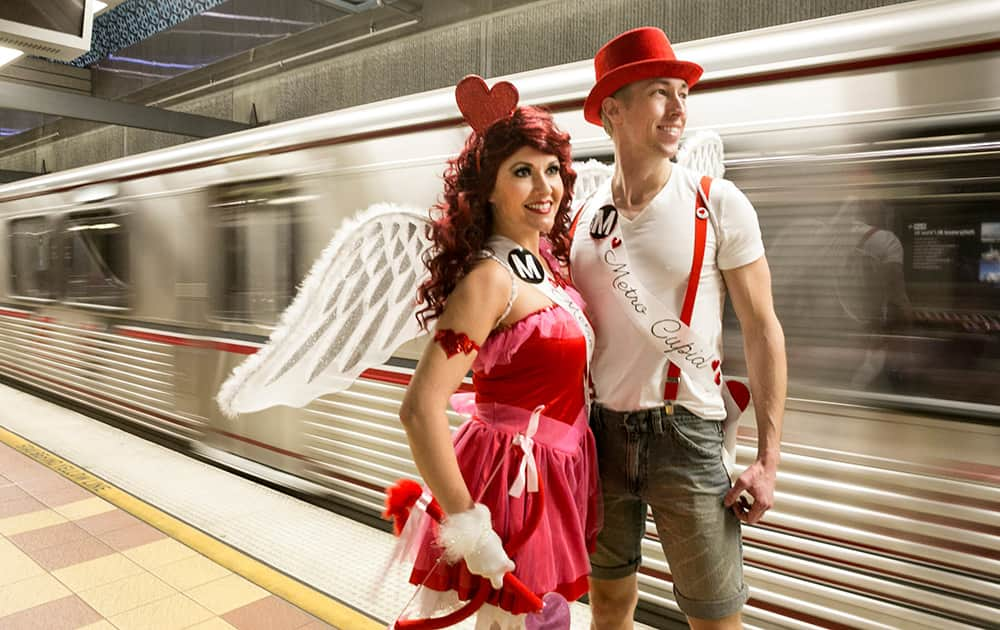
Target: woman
[(501, 227)]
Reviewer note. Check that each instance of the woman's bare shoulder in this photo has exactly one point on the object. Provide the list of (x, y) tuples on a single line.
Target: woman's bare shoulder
[(486, 287)]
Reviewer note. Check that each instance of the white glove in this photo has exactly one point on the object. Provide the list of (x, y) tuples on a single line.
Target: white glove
[(469, 536)]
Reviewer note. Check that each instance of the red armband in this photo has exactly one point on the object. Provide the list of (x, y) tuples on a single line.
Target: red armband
[(454, 342)]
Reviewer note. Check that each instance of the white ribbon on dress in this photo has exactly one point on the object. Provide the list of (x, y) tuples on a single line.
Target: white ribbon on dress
[(528, 472), (423, 501)]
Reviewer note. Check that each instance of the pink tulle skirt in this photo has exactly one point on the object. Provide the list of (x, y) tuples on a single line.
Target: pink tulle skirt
[(555, 556)]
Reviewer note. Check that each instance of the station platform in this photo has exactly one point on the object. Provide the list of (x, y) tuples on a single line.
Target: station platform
[(72, 559), (101, 529)]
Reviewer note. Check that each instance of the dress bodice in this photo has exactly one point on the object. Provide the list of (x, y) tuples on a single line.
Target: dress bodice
[(540, 359)]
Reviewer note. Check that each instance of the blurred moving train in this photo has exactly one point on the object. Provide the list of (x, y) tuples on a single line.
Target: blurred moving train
[(869, 145)]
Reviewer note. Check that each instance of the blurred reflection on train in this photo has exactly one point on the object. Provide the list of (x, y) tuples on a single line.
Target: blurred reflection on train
[(882, 265), (869, 145)]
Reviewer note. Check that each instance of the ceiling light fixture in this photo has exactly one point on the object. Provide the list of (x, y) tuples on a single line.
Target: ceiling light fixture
[(8, 55)]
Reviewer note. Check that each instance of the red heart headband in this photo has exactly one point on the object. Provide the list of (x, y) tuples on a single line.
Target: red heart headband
[(482, 106)]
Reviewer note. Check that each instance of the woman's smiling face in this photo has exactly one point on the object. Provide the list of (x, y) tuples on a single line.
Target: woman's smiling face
[(527, 193)]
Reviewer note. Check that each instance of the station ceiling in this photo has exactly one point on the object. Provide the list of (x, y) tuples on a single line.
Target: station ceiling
[(138, 44)]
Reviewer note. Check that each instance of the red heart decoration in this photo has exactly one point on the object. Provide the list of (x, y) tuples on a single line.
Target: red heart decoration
[(715, 365), (482, 106), (740, 394), (615, 242)]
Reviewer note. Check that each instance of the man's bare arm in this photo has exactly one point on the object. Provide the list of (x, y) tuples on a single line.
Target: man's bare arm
[(749, 288)]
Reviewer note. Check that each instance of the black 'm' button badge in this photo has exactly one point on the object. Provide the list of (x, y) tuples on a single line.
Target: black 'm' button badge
[(526, 266), (604, 222)]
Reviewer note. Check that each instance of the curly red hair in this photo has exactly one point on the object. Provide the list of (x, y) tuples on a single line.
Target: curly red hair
[(464, 217)]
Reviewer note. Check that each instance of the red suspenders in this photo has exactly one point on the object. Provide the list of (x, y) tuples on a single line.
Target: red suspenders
[(700, 230)]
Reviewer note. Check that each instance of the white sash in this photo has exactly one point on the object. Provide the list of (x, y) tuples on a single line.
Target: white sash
[(662, 328), (501, 247)]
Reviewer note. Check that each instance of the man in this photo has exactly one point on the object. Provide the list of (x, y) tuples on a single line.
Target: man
[(659, 428)]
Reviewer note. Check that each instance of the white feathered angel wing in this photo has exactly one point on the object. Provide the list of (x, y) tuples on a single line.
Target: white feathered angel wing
[(702, 152), (357, 305), (590, 176), (354, 309)]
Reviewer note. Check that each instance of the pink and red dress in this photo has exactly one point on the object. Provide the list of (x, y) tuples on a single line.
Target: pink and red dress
[(539, 360)]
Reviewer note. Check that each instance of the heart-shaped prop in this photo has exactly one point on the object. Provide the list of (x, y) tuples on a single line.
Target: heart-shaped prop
[(554, 615), (482, 106), (739, 392)]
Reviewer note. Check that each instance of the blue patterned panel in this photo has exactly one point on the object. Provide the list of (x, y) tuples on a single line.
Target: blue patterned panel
[(135, 20)]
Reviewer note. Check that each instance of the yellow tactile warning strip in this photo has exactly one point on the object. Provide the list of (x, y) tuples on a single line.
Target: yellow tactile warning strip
[(77, 552)]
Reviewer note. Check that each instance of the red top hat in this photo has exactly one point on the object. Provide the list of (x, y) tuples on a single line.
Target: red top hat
[(642, 53)]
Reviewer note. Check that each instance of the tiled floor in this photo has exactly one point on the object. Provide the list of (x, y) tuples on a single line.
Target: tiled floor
[(337, 569), (71, 560)]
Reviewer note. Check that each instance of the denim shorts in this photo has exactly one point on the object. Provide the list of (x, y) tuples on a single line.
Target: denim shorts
[(673, 464)]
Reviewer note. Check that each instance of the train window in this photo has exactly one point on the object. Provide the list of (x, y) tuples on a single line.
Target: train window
[(31, 258), (886, 271), (256, 227), (96, 259)]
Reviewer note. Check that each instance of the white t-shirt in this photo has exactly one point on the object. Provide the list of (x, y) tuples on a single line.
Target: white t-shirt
[(882, 245), (628, 372)]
